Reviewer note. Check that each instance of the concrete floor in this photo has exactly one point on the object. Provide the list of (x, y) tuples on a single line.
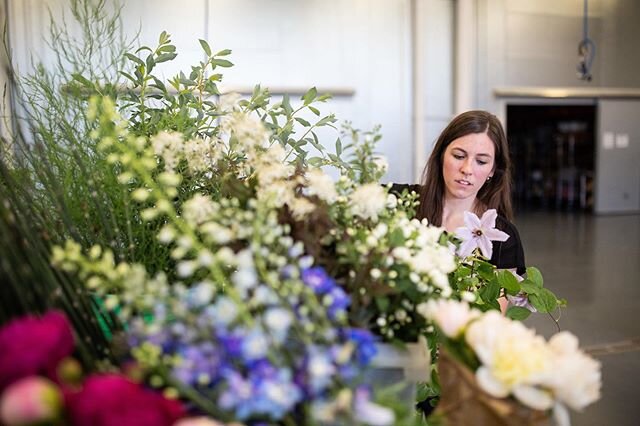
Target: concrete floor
[(594, 263)]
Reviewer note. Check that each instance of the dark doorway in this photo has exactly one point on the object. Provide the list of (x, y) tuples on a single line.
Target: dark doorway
[(552, 150)]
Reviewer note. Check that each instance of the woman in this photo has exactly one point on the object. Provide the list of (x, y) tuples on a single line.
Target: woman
[(469, 170)]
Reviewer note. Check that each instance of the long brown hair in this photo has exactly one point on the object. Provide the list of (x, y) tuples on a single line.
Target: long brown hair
[(494, 194)]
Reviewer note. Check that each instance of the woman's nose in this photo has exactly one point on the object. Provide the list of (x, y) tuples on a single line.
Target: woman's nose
[(465, 168)]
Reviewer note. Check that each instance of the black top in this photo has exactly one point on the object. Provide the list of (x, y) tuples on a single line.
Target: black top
[(506, 255)]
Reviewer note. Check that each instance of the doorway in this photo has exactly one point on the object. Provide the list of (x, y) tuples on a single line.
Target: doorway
[(553, 155)]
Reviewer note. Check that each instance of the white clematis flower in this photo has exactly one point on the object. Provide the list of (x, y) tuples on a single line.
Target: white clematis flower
[(479, 233)]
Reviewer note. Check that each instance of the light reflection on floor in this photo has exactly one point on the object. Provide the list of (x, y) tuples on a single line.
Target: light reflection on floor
[(594, 263)]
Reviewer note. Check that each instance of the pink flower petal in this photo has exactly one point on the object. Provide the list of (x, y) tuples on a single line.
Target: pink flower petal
[(484, 243), (489, 219), (464, 234), (467, 247), (496, 234), (472, 221)]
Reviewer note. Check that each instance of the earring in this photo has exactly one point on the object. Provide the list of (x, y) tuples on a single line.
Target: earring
[(489, 178)]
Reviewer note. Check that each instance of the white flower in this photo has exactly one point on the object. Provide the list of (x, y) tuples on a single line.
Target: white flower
[(371, 413), (574, 377), (278, 321), (197, 421), (278, 193), (368, 201), (186, 268), (248, 129), (478, 233), (514, 359), (225, 311), (255, 344), (392, 201), (301, 207), (321, 185), (381, 163), (198, 209), (452, 317), (272, 172)]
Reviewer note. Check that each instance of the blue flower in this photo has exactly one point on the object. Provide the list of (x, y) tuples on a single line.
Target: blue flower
[(317, 279), (199, 364), (365, 344), (338, 301)]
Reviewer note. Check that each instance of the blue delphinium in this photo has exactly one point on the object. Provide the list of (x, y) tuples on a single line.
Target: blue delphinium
[(317, 279), (365, 343)]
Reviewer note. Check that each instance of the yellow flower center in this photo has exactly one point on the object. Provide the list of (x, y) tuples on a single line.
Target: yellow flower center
[(515, 361)]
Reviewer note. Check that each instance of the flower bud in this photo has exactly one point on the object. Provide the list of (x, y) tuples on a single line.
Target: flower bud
[(32, 400)]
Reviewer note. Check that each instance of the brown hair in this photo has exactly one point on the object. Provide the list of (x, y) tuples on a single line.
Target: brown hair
[(494, 194)]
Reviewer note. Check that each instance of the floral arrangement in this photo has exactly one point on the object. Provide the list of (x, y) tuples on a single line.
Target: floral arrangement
[(508, 360), (230, 272), (41, 383)]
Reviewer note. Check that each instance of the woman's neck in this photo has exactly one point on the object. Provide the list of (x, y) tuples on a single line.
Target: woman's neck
[(453, 212)]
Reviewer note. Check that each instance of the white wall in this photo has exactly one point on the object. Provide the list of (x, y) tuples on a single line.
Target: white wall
[(363, 45), (535, 44)]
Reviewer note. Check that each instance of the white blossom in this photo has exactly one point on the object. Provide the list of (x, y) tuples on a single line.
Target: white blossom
[(368, 201)]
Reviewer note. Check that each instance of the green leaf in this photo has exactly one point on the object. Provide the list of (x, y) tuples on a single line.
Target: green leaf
[(544, 300), (221, 63), (328, 119), (491, 291), (518, 313), (128, 76), (224, 52), (159, 84), (286, 105), (309, 96), (205, 46), (82, 80), (338, 147), (302, 121), (166, 57), (486, 270), (164, 37), (534, 275), (314, 110), (382, 303), (509, 282), (150, 63), (396, 238), (528, 287), (134, 58), (315, 161)]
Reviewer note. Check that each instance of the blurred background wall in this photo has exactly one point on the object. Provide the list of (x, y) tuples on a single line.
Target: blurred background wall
[(411, 65)]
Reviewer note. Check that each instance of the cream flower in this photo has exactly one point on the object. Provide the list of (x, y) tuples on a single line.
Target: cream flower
[(301, 207), (368, 201), (514, 359), (451, 317), (321, 185), (574, 377)]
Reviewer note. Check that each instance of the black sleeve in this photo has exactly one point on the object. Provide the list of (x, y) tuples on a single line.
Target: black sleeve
[(508, 254), (397, 188)]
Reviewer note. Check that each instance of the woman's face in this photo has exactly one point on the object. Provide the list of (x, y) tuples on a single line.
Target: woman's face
[(468, 162)]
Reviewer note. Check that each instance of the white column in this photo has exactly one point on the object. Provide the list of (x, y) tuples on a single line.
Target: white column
[(465, 65), (417, 86)]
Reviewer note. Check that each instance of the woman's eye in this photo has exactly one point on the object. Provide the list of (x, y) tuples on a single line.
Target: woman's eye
[(482, 163), (458, 156)]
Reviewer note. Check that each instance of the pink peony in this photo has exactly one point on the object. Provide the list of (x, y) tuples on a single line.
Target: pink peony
[(112, 400), (34, 346), (31, 400)]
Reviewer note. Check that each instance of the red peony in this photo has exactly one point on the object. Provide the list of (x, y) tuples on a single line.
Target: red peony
[(112, 400), (34, 346)]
